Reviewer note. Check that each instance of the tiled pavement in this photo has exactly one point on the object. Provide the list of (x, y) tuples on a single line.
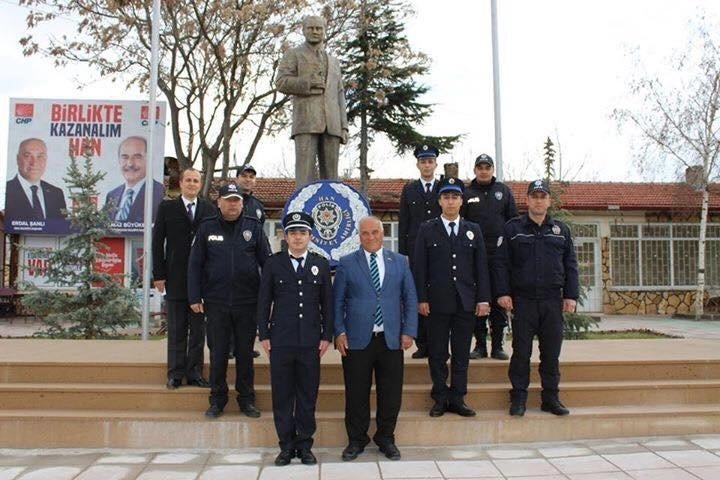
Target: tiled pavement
[(656, 458)]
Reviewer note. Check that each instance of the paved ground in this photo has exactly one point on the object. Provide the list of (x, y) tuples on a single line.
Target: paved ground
[(657, 458)]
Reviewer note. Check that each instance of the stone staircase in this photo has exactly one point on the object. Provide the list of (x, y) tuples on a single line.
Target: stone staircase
[(56, 393)]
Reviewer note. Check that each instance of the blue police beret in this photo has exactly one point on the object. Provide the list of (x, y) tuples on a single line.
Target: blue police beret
[(425, 151), (297, 220), (451, 184)]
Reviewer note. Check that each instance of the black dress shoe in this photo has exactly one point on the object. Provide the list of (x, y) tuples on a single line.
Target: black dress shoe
[(517, 409), (554, 407), (173, 383), (250, 410), (461, 409), (284, 458), (351, 452), (438, 410), (199, 382), (478, 352), (421, 352), (391, 451), (213, 411), (499, 355), (306, 457)]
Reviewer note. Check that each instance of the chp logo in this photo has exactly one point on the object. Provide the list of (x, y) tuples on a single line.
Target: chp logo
[(145, 114), (24, 113), (336, 209)]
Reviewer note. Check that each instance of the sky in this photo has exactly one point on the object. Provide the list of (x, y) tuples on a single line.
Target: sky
[(564, 66)]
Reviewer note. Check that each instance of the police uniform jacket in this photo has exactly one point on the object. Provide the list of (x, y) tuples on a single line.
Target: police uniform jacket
[(253, 207), (416, 207), (171, 239), (490, 206), (225, 268), (442, 268), (293, 310), (536, 261)]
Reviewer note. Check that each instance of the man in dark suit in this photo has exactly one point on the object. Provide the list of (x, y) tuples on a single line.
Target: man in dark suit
[(295, 286), (418, 203), (27, 197), (128, 199), (174, 229), (375, 319), (453, 286)]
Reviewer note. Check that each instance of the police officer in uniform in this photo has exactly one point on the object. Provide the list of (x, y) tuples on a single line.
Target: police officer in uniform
[(418, 203), (537, 277), (490, 204), (451, 278), (246, 178), (223, 280), (294, 318)]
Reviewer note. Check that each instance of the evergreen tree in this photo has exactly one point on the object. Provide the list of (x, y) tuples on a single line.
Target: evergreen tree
[(382, 95), (576, 324), (98, 304)]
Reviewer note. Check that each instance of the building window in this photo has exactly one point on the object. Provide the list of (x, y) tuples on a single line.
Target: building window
[(391, 236), (662, 255)]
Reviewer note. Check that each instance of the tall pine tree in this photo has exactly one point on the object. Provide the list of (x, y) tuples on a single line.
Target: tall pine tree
[(98, 304), (382, 95)]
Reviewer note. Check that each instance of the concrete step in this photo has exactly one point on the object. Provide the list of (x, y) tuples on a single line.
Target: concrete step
[(88, 396), (416, 371), (143, 429)]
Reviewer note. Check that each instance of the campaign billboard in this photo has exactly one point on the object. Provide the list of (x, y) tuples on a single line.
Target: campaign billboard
[(44, 133)]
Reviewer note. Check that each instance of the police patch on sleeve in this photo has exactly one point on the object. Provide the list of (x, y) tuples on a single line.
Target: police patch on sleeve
[(259, 213), (314, 269), (556, 230), (247, 235), (500, 240), (470, 235)]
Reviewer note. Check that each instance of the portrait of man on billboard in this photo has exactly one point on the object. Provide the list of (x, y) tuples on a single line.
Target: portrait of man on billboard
[(28, 196), (128, 198)]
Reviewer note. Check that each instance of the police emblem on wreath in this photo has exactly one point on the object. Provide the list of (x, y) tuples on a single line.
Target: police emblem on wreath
[(556, 230), (314, 269), (498, 195), (470, 235), (247, 235), (335, 208)]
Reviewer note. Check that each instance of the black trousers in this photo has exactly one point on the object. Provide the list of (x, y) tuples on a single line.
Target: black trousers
[(221, 320), (496, 319), (295, 378), (455, 329), (185, 341), (543, 318), (358, 369)]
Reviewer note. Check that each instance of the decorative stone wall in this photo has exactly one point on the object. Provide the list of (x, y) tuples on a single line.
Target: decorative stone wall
[(667, 302)]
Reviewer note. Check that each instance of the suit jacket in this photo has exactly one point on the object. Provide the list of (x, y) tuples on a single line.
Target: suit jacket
[(443, 269), (114, 197), (171, 240), (18, 206), (301, 306), (355, 300), (312, 113), (416, 207)]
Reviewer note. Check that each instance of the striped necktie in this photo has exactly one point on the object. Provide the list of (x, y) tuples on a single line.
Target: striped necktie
[(375, 276), (125, 210)]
